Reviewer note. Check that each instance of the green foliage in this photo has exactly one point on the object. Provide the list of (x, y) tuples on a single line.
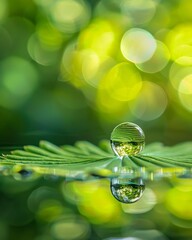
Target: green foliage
[(88, 158)]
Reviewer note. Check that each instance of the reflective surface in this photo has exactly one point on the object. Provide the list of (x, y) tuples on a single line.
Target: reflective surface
[(127, 190), (127, 139)]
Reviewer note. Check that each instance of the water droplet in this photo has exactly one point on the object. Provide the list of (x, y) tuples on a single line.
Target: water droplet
[(127, 190), (127, 139), (25, 173), (21, 173)]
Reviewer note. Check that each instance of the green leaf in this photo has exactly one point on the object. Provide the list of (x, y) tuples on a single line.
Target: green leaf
[(86, 158)]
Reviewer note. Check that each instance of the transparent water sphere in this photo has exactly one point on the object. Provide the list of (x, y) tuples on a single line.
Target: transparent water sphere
[(127, 190), (22, 173), (127, 139)]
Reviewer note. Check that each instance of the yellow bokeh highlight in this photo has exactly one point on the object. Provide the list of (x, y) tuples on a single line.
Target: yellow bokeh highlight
[(45, 43), (145, 204), (180, 44), (50, 210), (39, 52), (71, 65), (177, 73), (99, 36), (140, 11), (120, 85), (70, 228), (185, 85), (107, 104), (49, 36), (123, 82), (94, 201), (181, 79), (138, 45), (93, 67), (158, 61), (186, 101), (151, 102), (69, 16), (178, 202), (184, 55)]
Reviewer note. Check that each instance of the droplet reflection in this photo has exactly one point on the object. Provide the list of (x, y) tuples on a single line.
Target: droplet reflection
[(127, 190), (127, 139), (22, 173)]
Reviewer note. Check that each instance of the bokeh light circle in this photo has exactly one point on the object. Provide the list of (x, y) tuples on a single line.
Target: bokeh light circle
[(158, 61), (139, 11), (186, 101), (123, 82), (151, 102), (179, 43), (145, 204), (69, 16), (71, 228), (40, 53), (99, 36), (138, 45), (178, 202), (19, 80), (177, 73)]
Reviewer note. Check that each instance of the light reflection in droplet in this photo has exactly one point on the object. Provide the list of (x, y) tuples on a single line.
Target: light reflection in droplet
[(127, 190), (23, 173), (138, 45), (127, 139)]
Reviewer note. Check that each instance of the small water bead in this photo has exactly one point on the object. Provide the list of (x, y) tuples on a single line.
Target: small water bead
[(21, 173), (127, 139), (127, 190)]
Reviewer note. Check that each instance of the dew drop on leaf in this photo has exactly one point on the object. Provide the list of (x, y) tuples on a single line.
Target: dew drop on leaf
[(127, 139), (127, 190), (20, 173)]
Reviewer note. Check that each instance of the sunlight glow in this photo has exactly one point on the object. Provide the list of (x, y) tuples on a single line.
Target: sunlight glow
[(138, 45)]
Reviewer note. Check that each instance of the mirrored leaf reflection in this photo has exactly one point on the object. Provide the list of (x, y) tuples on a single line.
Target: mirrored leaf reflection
[(23, 173), (127, 139), (127, 190)]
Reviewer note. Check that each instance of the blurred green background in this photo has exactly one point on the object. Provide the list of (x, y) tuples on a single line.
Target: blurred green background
[(74, 69)]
